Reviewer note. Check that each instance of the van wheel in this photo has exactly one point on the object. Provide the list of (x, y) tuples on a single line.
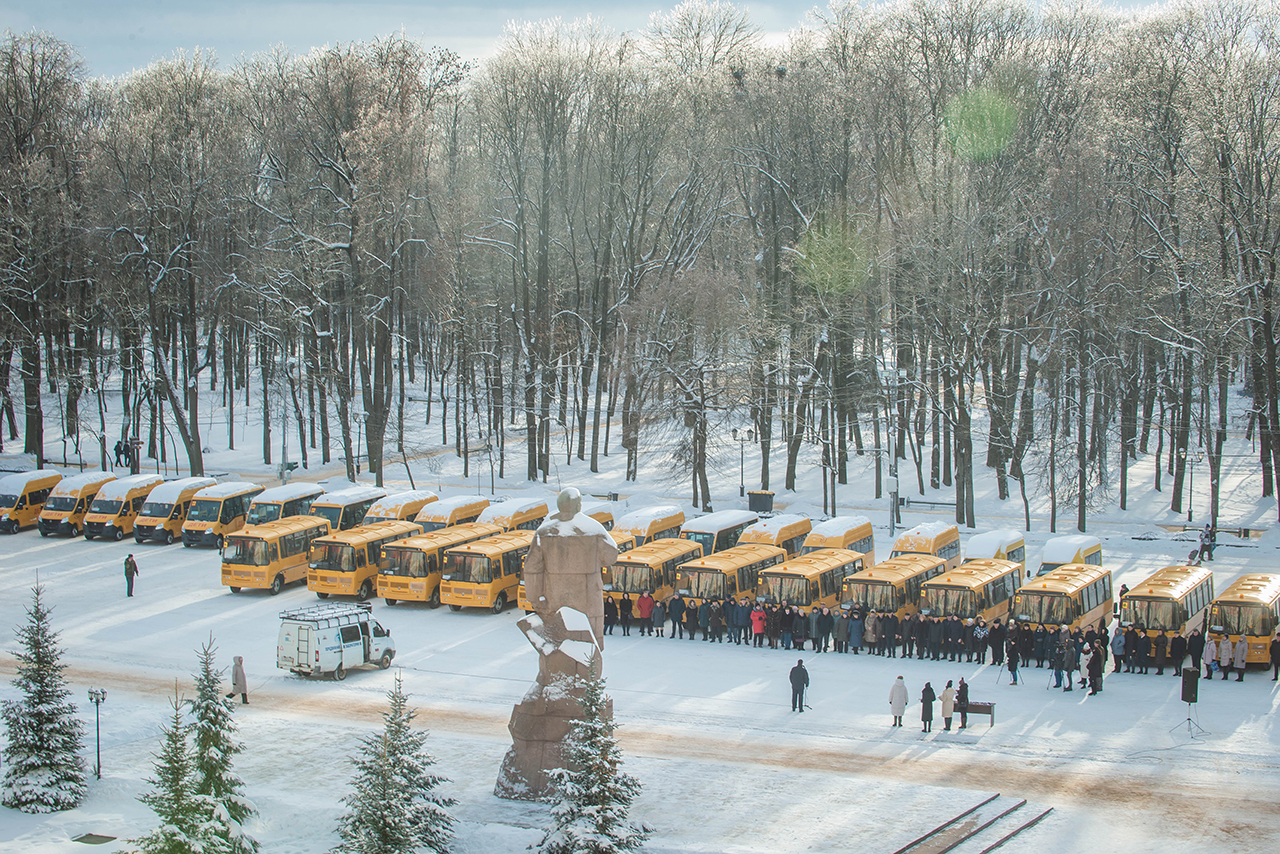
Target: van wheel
[(87, 535), (277, 584), (499, 603), (43, 532), (339, 673), (322, 595), (455, 607), (434, 601), (168, 538), (385, 661), (235, 589), (119, 534), (185, 544), (365, 591), (74, 532), (390, 602)]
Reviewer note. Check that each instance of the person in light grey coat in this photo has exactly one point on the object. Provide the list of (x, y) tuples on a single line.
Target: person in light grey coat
[(1241, 656), (898, 699), (239, 685)]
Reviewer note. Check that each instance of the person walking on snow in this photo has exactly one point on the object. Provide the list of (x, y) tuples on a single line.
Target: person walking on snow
[(130, 571), (799, 681), (239, 685), (898, 699)]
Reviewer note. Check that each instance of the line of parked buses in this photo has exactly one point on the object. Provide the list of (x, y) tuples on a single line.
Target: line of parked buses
[(464, 551)]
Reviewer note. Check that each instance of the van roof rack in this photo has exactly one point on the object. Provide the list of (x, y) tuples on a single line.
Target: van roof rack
[(330, 613)]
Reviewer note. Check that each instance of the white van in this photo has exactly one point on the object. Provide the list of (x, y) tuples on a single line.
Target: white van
[(331, 638)]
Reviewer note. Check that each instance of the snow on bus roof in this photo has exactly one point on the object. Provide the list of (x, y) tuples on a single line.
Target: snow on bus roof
[(513, 505), (927, 530), (1064, 549), (14, 484), (774, 524), (351, 495), (986, 544), (228, 489), (719, 520), (75, 483), (396, 499), (453, 502), (288, 492), (642, 518), (838, 525), (170, 491), (114, 489)]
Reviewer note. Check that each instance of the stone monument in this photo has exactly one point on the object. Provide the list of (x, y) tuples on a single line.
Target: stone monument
[(564, 585)]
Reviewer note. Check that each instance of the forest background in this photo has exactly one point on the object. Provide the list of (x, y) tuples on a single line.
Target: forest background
[(1058, 220)]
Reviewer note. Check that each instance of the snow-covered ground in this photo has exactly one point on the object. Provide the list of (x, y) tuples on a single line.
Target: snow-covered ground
[(726, 766)]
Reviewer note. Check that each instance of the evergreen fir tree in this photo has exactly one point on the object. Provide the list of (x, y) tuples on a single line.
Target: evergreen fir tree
[(186, 819), (43, 769), (393, 807), (214, 747), (595, 795)]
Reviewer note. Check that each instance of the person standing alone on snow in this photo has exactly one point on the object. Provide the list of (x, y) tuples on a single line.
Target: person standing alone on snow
[(799, 681), (130, 571), (898, 700), (239, 685)]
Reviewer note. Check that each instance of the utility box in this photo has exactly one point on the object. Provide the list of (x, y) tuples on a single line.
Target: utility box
[(760, 501)]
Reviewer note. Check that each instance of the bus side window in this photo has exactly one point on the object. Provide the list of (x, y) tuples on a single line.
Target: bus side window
[(433, 563), (272, 553)]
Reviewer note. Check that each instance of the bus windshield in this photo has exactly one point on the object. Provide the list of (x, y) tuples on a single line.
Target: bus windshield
[(61, 503), (1253, 620), (260, 513), (245, 551), (704, 540), (105, 505), (475, 569), (405, 562), (333, 556), (8, 500), (873, 596), (779, 588), (1160, 614), (205, 510), (333, 514), (705, 583), (1046, 568), (630, 578), (948, 602), (1045, 608), (156, 510)]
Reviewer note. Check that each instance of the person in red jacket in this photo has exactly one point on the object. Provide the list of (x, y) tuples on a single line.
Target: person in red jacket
[(644, 610), (758, 618)]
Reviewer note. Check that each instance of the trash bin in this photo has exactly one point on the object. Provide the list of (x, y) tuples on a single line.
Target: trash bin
[(760, 501)]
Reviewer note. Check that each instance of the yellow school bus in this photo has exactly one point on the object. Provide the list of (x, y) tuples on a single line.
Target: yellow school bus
[(1002, 544), (117, 504), (65, 508), (732, 573), (165, 510), (415, 564), (932, 538), (601, 511), (814, 580), (892, 585), (291, 499), (716, 532), (270, 555), (1171, 602), (347, 562), (1073, 595), (651, 567), (1073, 548), (1249, 607), (516, 514), (403, 506), (843, 532), (484, 574), (345, 508), (447, 512), (657, 522), (22, 497), (216, 511), (980, 587), (787, 531)]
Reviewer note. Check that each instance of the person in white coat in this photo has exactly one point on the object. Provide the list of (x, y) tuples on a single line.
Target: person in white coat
[(1241, 656), (1210, 655), (948, 706), (239, 685), (898, 699)]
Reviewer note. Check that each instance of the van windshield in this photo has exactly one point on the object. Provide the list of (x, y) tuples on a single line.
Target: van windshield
[(245, 551), (333, 556), (475, 569), (1046, 568), (61, 503), (333, 514), (106, 505), (405, 562), (205, 510), (157, 510), (259, 513), (8, 500)]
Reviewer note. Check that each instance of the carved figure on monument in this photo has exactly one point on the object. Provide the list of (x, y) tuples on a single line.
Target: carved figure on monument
[(564, 585)]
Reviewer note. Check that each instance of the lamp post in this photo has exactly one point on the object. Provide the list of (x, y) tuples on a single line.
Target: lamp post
[(743, 441), (98, 696), (892, 377), (1191, 486)]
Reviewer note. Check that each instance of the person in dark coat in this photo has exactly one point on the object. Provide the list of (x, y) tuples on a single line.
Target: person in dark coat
[(1178, 653), (799, 681), (773, 625), (715, 618), (840, 634), (1041, 642), (908, 629), (953, 631), (1097, 663), (130, 572), (704, 619), (786, 625), (691, 620), (1142, 653), (659, 617), (799, 629), (1055, 661), (826, 625), (1011, 660), (936, 632), (1275, 657), (610, 614), (675, 610), (1070, 662), (624, 613), (1195, 648), (856, 628), (995, 640), (962, 702), (966, 641), (1130, 649), (1160, 648), (889, 628), (926, 707), (981, 635), (1026, 643)]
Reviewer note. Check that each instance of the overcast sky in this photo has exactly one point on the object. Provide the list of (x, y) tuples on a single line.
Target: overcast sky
[(118, 36)]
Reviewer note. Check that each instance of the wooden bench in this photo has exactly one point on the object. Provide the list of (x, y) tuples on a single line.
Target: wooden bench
[(988, 709)]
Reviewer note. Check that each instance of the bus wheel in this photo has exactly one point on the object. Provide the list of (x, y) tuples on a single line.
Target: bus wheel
[(499, 603), (235, 589), (322, 595), (185, 544), (434, 601), (119, 534), (390, 602), (365, 591), (217, 544), (74, 532), (168, 538), (455, 607), (87, 535), (339, 673), (385, 661), (277, 584), (43, 532)]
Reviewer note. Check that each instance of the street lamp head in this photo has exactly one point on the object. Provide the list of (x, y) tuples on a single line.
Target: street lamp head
[(751, 435), (734, 433)]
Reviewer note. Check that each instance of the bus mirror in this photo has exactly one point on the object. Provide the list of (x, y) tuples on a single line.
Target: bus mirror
[(608, 588)]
